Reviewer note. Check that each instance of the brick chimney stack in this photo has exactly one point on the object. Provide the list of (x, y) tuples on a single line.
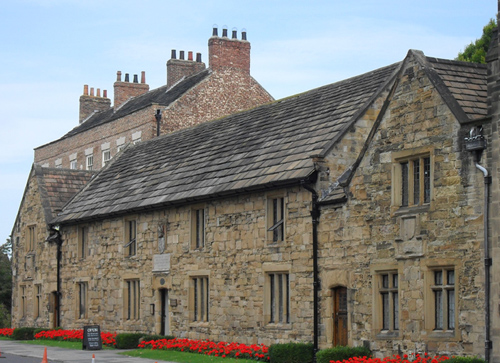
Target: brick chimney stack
[(90, 103), (125, 90), (231, 53), (179, 68)]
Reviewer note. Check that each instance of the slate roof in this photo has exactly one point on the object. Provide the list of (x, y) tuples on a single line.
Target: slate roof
[(267, 146), (57, 186), (161, 95)]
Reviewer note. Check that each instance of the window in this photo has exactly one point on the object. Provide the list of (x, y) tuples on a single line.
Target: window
[(106, 157), (275, 219), (388, 290), (30, 239), (131, 237), (24, 301), (279, 297), (82, 300), (200, 299), (72, 164), (38, 300), (133, 299), (443, 289), (198, 228), (83, 242), (120, 148), (90, 162)]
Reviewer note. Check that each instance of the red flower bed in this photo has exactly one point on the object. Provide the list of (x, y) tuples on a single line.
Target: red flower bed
[(222, 349), (6, 332), (413, 358), (74, 336)]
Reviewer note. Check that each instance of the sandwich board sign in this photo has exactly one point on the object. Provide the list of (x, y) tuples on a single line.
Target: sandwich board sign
[(92, 337)]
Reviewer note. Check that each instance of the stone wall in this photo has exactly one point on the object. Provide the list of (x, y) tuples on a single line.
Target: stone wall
[(370, 234), (235, 258)]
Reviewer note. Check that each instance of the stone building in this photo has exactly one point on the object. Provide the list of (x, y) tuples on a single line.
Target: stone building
[(192, 94), (353, 214)]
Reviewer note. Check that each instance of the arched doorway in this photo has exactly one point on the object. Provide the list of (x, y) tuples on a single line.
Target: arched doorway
[(339, 316)]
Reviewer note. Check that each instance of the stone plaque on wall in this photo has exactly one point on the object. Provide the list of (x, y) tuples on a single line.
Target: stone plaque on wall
[(161, 262)]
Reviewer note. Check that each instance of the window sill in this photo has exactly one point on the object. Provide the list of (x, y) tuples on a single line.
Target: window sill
[(412, 210), (443, 335), (279, 326), (387, 334), (198, 324)]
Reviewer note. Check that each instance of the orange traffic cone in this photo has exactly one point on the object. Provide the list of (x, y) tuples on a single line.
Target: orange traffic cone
[(44, 360), (93, 358)]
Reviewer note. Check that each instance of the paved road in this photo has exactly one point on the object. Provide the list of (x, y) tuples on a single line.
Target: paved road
[(25, 353)]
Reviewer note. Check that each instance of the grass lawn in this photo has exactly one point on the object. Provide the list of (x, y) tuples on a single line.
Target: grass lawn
[(181, 357)]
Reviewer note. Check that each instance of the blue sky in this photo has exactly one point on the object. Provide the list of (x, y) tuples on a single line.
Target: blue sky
[(51, 48)]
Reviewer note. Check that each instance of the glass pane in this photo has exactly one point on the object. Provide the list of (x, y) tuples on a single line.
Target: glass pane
[(438, 295), (416, 182), (396, 310), (272, 299), (427, 180), (280, 299), (404, 184), (395, 280), (385, 311), (438, 277), (451, 309), (195, 282), (451, 277), (385, 281)]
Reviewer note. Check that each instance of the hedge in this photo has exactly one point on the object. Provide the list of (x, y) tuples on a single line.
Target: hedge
[(291, 353)]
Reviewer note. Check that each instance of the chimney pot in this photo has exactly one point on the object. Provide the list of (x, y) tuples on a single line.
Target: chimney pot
[(118, 76), (173, 54), (92, 91), (198, 57), (224, 31), (86, 90), (215, 32), (136, 80), (235, 33), (126, 77), (98, 92), (243, 34), (143, 77), (105, 94), (181, 55), (190, 55)]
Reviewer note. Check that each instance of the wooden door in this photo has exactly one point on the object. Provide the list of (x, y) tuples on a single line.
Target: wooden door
[(340, 316)]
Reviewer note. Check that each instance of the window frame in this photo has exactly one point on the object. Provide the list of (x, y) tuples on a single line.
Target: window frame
[(106, 157), (447, 306), (388, 290), (276, 218), (73, 164), (23, 297), (198, 227), (38, 300), (89, 162), (279, 297), (130, 230), (83, 242), (199, 302), (132, 299), (405, 171), (82, 300)]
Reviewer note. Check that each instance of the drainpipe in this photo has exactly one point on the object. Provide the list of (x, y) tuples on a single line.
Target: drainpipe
[(476, 143), (55, 237), (315, 213), (487, 264)]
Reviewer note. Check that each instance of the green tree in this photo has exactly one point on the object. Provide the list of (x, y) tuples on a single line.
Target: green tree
[(5, 283), (476, 52)]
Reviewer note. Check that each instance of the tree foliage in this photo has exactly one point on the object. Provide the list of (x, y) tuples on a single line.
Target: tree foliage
[(476, 51), (5, 284)]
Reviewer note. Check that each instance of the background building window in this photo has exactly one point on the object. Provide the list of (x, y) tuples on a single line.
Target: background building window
[(201, 298), (198, 228), (72, 164), (106, 157), (38, 300), (444, 299), (279, 297), (82, 300), (276, 219), (131, 237), (133, 299), (388, 289), (24, 301), (90, 162)]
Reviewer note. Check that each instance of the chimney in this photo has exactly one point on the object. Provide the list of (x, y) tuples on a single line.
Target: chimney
[(90, 103), (179, 68), (229, 53), (125, 90)]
